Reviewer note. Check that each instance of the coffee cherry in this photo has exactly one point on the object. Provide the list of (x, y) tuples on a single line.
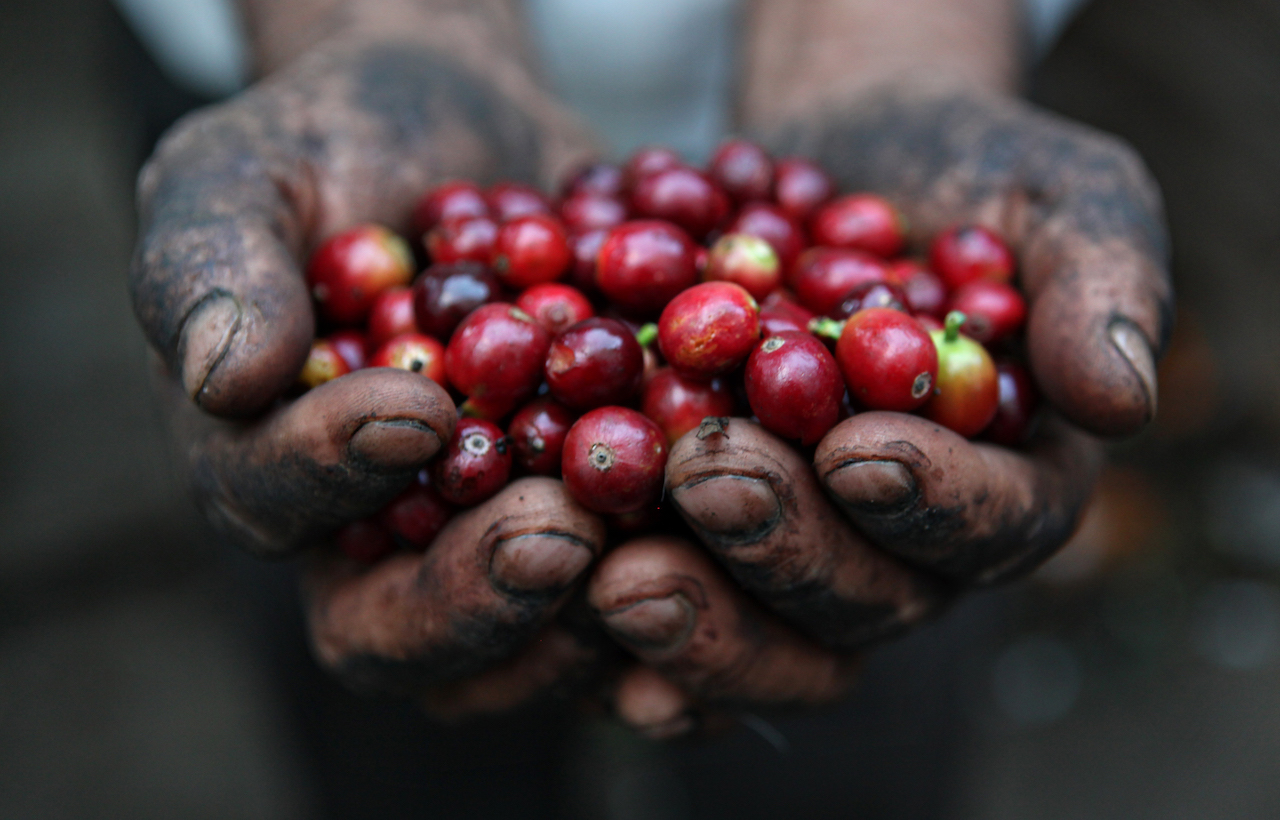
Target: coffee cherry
[(869, 295), (415, 352), (444, 294), (682, 196), (924, 290), (742, 169), (586, 252), (537, 433), (495, 357), (794, 386), (863, 222), (966, 393), (744, 260), (888, 360), (391, 315), (709, 329), (555, 306), (531, 250), (1016, 408), (510, 200), (589, 212), (647, 162), (800, 187), (614, 460), (324, 363), (352, 346), (449, 201), (600, 179), (416, 516), (929, 323), (350, 269), (678, 405), (824, 276), (773, 225), (474, 464), (779, 312), (462, 239), (966, 254), (596, 362), (995, 310), (643, 264), (365, 541)]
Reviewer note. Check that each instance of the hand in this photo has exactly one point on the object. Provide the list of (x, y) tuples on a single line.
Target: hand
[(897, 514), (233, 201)]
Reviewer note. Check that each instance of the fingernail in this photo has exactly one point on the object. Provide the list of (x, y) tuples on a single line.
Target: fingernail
[(730, 508), (538, 563), (654, 623), (393, 444), (678, 726), (206, 336), (1133, 346), (875, 486)]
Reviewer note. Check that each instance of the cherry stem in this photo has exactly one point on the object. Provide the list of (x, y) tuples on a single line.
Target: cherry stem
[(826, 327), (647, 334), (951, 330)]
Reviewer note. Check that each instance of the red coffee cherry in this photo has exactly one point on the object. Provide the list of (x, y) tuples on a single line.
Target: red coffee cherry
[(555, 306), (510, 200), (462, 239), (863, 222), (968, 253), (586, 252), (794, 386), (924, 290), (531, 250), (678, 405), (888, 360), (966, 393), (869, 295), (474, 465), (682, 196), (601, 179), (324, 363), (451, 200), (995, 310), (780, 312), (352, 346), (365, 541), (773, 225), (415, 352), (647, 162), (416, 516), (744, 260), (444, 294), (742, 169), (589, 212), (643, 264), (709, 329), (800, 187), (495, 357), (824, 276), (350, 269), (596, 362), (391, 315), (1017, 405), (614, 460), (537, 432)]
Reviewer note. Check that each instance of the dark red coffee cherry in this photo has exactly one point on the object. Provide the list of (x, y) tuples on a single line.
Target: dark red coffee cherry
[(555, 306), (1017, 405), (614, 461), (742, 169), (415, 352), (324, 363), (531, 250), (966, 393), (391, 315), (416, 516), (773, 225), (365, 541), (678, 405), (968, 253), (794, 386), (643, 264), (495, 358), (924, 290), (709, 329), (474, 465), (744, 260), (780, 312), (869, 295), (888, 360), (824, 276), (462, 239), (647, 162), (445, 293), (593, 363), (352, 268), (352, 346), (589, 212), (800, 187), (862, 222), (449, 201), (509, 200), (995, 310), (600, 179), (586, 252), (683, 196), (537, 432)]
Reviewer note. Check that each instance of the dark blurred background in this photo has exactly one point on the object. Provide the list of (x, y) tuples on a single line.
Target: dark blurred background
[(1135, 676)]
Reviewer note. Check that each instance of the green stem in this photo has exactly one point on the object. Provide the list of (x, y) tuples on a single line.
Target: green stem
[(826, 328), (951, 330), (647, 334)]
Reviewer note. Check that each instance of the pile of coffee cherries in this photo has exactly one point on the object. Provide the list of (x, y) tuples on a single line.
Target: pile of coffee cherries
[(582, 336)]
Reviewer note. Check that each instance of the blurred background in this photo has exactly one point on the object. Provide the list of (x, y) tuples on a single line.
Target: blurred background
[(146, 671)]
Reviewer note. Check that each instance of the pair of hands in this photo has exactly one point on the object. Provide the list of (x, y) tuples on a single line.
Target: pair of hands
[(799, 564)]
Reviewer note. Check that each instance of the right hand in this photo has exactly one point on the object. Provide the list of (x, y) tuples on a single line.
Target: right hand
[(231, 203)]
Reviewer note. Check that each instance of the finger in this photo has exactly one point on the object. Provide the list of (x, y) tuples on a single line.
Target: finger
[(215, 281), (489, 582), (756, 505), (337, 453), (652, 705), (668, 603), (972, 511)]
